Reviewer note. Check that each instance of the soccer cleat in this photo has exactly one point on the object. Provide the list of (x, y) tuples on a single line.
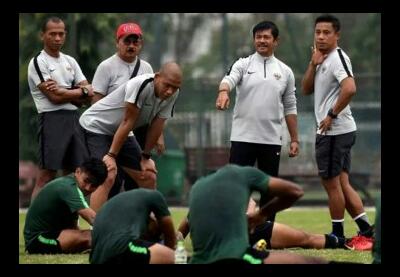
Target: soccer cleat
[(360, 243)]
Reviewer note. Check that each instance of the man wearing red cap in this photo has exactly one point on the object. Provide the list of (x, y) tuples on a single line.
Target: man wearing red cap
[(117, 70)]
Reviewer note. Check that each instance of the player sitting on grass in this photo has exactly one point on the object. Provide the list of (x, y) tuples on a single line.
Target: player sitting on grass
[(51, 224)]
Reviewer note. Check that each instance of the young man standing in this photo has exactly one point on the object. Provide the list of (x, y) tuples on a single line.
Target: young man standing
[(329, 75)]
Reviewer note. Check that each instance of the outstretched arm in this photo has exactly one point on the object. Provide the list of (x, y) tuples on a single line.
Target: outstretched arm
[(126, 125)]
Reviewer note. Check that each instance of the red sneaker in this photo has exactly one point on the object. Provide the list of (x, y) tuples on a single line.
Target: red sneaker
[(360, 243)]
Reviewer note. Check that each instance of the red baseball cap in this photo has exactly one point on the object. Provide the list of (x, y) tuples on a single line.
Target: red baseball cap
[(128, 29)]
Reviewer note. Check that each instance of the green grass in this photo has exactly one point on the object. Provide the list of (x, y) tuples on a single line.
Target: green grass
[(314, 220)]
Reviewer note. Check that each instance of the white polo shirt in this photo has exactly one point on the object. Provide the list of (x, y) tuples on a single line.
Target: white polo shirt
[(113, 72), (335, 68), (105, 116), (64, 70)]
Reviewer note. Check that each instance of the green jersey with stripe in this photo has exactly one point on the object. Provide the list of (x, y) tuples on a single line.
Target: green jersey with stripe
[(122, 219), (54, 209), (217, 212)]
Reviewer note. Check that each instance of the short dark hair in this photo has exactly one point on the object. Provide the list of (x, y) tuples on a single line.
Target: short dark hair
[(96, 170), (54, 19), (329, 18), (266, 25)]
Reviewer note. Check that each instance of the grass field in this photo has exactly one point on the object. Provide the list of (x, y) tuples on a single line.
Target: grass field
[(315, 220)]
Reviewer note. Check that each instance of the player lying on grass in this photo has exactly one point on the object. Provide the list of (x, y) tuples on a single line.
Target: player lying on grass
[(51, 224), (280, 236)]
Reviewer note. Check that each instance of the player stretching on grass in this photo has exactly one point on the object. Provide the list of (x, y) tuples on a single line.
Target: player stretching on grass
[(221, 199), (51, 224)]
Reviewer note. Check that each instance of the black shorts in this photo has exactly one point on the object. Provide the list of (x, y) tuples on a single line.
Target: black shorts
[(263, 231), (61, 140), (251, 256), (267, 156), (136, 252), (129, 155), (333, 154), (45, 244)]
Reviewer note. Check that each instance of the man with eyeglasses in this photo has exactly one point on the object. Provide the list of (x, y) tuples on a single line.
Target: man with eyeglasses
[(117, 70), (51, 224)]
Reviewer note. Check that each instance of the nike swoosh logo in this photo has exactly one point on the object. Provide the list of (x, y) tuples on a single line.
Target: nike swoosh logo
[(51, 70), (249, 72), (350, 247)]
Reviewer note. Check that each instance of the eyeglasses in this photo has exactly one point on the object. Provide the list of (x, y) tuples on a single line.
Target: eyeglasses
[(132, 39)]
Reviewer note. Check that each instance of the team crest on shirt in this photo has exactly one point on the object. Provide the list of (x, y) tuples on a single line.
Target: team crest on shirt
[(277, 76), (323, 69), (69, 68)]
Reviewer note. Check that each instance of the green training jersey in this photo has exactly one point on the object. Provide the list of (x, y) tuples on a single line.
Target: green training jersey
[(217, 212), (122, 219), (54, 209)]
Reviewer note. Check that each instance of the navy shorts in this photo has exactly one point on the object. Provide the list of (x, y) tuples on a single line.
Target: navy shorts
[(136, 252), (333, 154), (45, 244), (262, 231), (61, 140)]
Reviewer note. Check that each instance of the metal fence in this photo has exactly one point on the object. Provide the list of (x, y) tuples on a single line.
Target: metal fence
[(203, 132)]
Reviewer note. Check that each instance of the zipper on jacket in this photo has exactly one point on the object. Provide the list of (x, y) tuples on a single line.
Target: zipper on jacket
[(265, 70)]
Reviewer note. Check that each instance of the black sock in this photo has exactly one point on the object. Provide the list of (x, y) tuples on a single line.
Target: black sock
[(337, 228), (332, 241), (363, 225)]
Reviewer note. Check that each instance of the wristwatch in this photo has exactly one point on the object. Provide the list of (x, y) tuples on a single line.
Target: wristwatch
[(146, 156), (331, 114), (85, 92)]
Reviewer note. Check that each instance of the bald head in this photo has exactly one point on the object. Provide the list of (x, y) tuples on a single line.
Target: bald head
[(168, 80), (172, 70)]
